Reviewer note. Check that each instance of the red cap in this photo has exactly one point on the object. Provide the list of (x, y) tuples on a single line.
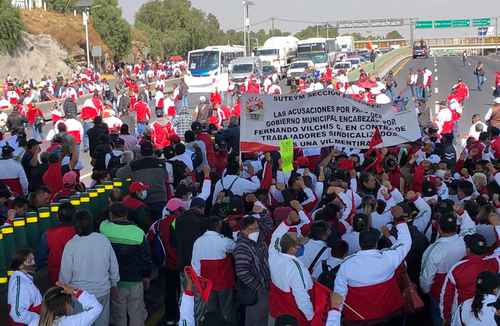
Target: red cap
[(137, 186)]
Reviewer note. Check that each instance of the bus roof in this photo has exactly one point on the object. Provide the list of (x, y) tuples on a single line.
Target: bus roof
[(314, 40), (223, 48)]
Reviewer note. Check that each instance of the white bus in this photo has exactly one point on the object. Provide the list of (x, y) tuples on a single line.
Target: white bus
[(208, 67), (321, 51)]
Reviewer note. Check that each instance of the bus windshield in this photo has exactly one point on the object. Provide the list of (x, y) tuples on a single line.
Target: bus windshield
[(318, 57), (311, 47), (267, 51), (206, 60)]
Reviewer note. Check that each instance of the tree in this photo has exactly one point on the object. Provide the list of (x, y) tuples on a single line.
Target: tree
[(11, 27), (394, 35), (107, 20), (60, 5), (317, 31)]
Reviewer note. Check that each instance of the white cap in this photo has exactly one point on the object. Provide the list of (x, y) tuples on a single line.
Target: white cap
[(203, 99), (434, 159), (497, 100)]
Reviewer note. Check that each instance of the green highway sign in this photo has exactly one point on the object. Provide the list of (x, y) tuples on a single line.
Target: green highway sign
[(460, 23), (481, 22), (423, 24), (442, 24)]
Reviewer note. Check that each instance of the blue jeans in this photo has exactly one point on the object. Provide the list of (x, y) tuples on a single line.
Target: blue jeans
[(141, 126), (480, 81), (420, 92), (86, 126), (185, 102)]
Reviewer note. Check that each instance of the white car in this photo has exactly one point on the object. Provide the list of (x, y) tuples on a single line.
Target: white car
[(346, 66), (355, 62), (297, 69)]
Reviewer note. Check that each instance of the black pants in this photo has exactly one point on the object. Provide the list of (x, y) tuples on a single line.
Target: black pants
[(172, 295)]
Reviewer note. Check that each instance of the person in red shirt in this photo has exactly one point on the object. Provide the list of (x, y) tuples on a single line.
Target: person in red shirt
[(35, 120), (215, 97), (50, 249), (143, 114), (97, 102), (87, 115)]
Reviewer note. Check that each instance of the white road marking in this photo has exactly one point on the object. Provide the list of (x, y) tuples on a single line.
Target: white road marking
[(435, 70), (436, 90), (469, 64), (436, 78)]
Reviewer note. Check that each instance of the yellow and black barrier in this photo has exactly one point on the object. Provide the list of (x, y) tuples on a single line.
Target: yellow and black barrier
[(26, 231)]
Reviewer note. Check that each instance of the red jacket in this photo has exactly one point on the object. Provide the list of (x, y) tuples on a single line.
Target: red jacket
[(88, 113), (215, 98), (142, 111), (57, 237), (460, 283), (167, 225), (32, 114), (132, 202)]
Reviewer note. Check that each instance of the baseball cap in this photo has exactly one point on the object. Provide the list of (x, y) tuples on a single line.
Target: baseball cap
[(476, 243), (175, 203), (198, 202), (497, 100), (137, 186), (32, 143), (70, 178)]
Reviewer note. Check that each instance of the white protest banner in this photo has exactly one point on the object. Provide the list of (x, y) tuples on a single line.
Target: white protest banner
[(321, 119)]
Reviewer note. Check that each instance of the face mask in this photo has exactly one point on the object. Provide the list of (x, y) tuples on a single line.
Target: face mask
[(254, 236), (300, 251), (143, 194)]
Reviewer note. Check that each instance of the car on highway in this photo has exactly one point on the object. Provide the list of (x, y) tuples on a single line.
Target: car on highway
[(420, 50), (298, 69), (342, 65), (355, 62), (241, 69), (268, 70)]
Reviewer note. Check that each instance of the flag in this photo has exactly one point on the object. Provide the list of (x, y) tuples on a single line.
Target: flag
[(376, 139), (321, 304), (202, 285)]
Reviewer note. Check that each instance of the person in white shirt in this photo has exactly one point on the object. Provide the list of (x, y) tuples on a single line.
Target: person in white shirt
[(236, 184), (367, 279), (476, 129), (183, 155), (360, 223), (483, 308), (316, 249), (57, 307), (12, 172), (290, 283), (23, 297)]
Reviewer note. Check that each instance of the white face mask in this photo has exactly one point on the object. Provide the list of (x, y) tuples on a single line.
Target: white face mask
[(254, 236), (143, 194)]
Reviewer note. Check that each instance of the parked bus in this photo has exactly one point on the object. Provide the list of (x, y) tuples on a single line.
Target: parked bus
[(321, 51), (209, 67)]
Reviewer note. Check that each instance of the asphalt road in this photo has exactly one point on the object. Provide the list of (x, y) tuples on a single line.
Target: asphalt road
[(446, 72)]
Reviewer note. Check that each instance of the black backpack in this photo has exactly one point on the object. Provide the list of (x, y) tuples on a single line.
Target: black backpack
[(229, 196), (197, 157), (327, 276), (178, 171), (114, 164)]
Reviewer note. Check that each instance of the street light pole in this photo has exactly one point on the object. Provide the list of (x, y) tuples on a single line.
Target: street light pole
[(246, 25), (85, 16)]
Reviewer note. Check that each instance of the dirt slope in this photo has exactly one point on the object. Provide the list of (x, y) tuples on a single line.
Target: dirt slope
[(68, 30)]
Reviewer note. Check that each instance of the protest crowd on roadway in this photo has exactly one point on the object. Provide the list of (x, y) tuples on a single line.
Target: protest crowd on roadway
[(401, 235)]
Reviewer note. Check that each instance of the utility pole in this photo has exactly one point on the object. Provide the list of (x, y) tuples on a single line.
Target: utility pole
[(317, 30), (272, 26), (327, 30), (412, 36), (245, 27)]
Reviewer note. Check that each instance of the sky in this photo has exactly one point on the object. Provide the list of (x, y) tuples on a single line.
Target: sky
[(230, 12)]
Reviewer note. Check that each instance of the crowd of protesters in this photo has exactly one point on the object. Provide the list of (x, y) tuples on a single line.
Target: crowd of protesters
[(386, 236)]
